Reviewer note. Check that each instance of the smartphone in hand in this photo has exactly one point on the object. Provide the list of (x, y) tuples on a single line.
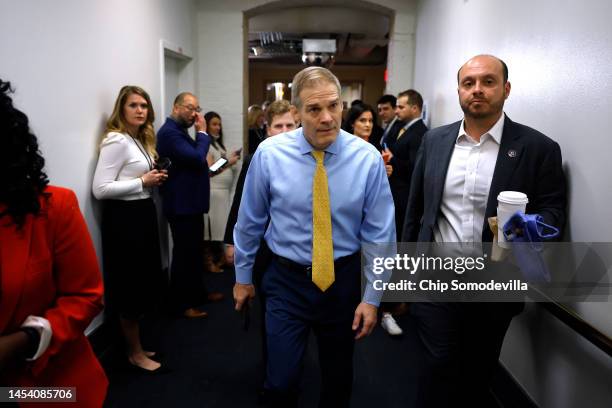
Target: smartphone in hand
[(218, 165), (163, 163)]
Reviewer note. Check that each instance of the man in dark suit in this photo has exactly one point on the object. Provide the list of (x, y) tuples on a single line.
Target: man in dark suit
[(185, 198), (386, 113), (280, 119), (460, 170), (403, 141)]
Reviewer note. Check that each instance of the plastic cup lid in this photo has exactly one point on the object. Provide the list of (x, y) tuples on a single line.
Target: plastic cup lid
[(512, 197)]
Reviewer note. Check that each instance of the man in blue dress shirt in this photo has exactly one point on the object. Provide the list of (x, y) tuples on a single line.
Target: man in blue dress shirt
[(279, 188)]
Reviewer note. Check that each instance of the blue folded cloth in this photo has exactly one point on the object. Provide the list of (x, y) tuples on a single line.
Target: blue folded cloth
[(528, 231)]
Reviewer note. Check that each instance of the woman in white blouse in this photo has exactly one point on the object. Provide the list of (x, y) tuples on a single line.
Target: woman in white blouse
[(222, 184), (124, 178)]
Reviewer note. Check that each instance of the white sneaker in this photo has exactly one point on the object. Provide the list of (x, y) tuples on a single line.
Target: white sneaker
[(390, 325)]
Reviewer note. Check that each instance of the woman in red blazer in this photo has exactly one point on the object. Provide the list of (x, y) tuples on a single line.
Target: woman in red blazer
[(49, 276)]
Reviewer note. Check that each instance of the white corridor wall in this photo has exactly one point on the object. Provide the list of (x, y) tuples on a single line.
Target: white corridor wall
[(67, 60), (559, 58)]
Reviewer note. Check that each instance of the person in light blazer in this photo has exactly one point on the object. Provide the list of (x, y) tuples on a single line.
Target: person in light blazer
[(50, 284)]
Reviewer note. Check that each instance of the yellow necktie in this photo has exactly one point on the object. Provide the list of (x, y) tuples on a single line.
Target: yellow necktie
[(322, 245), (401, 132)]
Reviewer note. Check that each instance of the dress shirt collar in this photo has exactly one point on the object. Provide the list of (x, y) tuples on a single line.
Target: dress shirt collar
[(413, 121), (388, 126), (494, 133), (306, 148)]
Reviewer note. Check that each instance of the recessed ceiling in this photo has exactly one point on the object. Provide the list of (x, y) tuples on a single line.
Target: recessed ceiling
[(276, 36)]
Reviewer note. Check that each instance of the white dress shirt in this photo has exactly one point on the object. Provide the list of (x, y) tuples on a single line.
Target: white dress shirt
[(467, 184), (122, 161)]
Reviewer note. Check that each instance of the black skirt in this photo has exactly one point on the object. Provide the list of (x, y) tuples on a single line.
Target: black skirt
[(134, 280)]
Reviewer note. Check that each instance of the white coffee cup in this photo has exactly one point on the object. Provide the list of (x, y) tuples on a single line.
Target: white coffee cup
[(508, 203)]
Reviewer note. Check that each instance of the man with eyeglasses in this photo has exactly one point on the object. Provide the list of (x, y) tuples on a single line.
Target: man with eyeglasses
[(185, 199)]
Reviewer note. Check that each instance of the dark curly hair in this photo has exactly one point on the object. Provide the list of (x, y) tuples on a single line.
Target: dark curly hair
[(22, 180)]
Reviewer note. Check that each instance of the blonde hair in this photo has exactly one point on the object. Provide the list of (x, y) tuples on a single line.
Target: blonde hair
[(307, 78), (254, 112), (277, 108), (116, 122)]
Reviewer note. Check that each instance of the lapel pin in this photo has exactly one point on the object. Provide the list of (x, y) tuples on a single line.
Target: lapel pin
[(512, 153)]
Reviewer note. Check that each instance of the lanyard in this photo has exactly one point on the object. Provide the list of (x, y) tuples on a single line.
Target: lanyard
[(145, 154)]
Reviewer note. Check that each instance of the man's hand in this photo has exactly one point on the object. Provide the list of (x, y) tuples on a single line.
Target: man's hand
[(200, 123), (242, 294), (365, 316)]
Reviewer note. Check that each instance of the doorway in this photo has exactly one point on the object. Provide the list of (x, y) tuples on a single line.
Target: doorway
[(176, 76)]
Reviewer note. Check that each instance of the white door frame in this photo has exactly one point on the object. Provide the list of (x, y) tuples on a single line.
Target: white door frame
[(175, 51)]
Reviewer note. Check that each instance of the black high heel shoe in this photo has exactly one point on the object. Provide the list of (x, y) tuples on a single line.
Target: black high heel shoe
[(158, 356)]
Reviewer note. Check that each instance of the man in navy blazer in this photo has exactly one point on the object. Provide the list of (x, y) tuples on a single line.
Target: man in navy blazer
[(185, 198), (460, 170)]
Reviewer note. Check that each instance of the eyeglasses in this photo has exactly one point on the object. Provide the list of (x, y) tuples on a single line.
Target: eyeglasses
[(192, 109)]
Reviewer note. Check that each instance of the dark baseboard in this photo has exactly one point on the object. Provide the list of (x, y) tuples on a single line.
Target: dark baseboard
[(509, 393)]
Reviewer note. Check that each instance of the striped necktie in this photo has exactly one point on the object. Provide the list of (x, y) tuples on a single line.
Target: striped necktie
[(322, 245)]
